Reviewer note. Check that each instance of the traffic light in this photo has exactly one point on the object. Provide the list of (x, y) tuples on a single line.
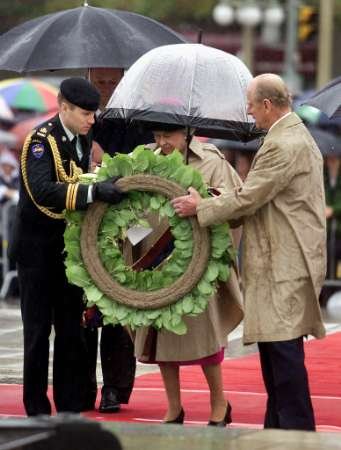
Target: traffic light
[(307, 22)]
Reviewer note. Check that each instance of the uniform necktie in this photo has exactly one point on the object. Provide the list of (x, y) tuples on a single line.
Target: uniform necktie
[(77, 146)]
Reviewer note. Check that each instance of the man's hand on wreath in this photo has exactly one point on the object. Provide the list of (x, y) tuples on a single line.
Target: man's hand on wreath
[(107, 191), (186, 205)]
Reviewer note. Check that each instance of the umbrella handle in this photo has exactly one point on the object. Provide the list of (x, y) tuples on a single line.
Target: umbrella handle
[(189, 137)]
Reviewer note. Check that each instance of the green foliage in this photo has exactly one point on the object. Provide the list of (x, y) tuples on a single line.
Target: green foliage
[(115, 223)]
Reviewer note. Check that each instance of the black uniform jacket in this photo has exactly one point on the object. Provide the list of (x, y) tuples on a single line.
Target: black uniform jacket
[(38, 236)]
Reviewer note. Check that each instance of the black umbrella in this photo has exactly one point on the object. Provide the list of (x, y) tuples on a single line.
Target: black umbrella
[(227, 144), (328, 143), (328, 99), (333, 125), (80, 38)]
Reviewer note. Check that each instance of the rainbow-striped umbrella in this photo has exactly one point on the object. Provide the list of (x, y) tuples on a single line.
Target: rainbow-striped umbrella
[(29, 94)]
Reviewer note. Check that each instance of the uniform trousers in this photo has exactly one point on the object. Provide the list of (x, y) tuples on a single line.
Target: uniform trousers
[(285, 377), (47, 298), (117, 360)]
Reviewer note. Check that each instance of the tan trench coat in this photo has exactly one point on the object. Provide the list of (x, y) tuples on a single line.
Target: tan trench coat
[(282, 203), (207, 332)]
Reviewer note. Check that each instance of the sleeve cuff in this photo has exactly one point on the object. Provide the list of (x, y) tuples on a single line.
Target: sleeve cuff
[(90, 196)]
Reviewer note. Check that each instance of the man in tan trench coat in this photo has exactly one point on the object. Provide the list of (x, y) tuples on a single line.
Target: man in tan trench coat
[(282, 207)]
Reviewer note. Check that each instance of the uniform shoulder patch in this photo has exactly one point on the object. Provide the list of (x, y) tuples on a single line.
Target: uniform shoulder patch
[(38, 150)]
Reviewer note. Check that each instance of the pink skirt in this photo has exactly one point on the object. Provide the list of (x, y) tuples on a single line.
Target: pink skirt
[(149, 354), (210, 360)]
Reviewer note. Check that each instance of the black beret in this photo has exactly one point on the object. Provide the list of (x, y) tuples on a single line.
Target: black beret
[(80, 92)]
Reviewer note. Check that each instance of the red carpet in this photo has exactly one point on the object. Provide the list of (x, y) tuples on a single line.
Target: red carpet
[(243, 386)]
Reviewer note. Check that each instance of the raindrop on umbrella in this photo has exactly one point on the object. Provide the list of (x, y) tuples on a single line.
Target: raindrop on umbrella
[(81, 38), (190, 85)]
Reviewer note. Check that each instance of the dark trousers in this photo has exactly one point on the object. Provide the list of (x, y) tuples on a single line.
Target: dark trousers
[(285, 377), (117, 360), (46, 299)]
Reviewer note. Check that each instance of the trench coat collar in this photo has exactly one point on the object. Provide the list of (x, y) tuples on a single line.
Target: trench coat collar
[(290, 120), (196, 147)]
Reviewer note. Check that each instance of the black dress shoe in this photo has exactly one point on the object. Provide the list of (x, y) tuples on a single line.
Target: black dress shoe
[(109, 403), (226, 420), (179, 420)]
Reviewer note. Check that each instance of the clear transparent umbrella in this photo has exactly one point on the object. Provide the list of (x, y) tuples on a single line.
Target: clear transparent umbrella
[(191, 85)]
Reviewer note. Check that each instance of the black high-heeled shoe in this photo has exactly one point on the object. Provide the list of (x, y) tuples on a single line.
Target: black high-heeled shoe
[(226, 420), (179, 420)]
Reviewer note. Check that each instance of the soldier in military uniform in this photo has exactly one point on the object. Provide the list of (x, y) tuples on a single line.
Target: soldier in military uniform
[(53, 157)]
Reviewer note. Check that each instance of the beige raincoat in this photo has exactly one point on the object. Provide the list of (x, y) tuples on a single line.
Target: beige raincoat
[(207, 332), (282, 204)]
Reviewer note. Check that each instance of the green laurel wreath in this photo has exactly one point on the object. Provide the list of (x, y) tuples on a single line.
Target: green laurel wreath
[(113, 231)]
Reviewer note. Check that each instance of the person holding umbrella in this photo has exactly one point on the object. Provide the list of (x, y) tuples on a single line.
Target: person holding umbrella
[(117, 137), (282, 208), (116, 347), (206, 336), (53, 157)]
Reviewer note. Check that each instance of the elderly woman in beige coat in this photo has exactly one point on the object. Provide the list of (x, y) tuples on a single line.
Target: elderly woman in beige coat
[(282, 207), (206, 337)]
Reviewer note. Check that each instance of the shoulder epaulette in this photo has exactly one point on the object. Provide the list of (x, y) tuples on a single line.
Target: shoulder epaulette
[(43, 130)]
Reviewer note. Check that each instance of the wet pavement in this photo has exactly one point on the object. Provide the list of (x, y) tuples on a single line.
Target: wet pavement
[(11, 346), (137, 436)]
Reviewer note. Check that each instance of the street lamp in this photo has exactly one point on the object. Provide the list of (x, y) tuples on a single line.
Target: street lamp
[(249, 14), (325, 42), (290, 74), (223, 14), (273, 19)]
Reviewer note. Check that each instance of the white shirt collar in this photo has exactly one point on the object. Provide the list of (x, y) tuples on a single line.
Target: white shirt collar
[(68, 132), (70, 136), (281, 118)]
